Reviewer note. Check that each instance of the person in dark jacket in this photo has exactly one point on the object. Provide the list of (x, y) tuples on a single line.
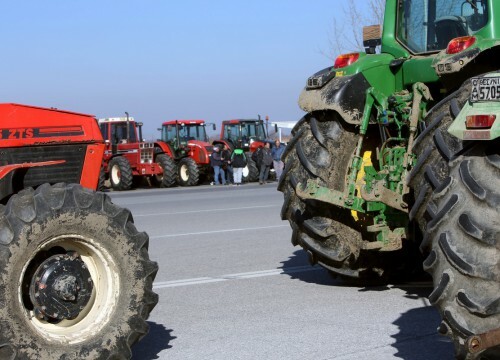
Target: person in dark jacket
[(227, 166), (216, 163), (266, 159), (238, 161)]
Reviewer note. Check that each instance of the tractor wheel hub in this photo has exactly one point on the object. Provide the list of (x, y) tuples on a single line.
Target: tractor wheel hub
[(61, 287)]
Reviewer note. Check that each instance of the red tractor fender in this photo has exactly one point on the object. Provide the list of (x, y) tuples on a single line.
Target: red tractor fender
[(255, 145), (162, 147), (222, 142), (198, 151)]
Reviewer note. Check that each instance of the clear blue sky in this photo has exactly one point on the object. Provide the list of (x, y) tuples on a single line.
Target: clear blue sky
[(162, 60)]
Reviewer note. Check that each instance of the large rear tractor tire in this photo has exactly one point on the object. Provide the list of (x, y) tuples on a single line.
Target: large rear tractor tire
[(463, 232), (456, 185), (169, 176), (189, 174), (120, 174), (250, 172), (434, 147), (76, 276), (322, 148)]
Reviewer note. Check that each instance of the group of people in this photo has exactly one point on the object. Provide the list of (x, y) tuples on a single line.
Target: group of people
[(228, 166)]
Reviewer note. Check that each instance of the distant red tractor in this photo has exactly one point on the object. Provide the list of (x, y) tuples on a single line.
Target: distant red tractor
[(75, 275), (128, 159), (246, 134), (188, 146)]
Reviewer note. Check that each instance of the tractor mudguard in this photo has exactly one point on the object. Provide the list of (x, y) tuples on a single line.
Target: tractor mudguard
[(344, 94)]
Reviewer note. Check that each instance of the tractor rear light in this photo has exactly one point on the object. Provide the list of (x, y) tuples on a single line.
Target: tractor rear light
[(460, 44), (345, 60), (480, 121)]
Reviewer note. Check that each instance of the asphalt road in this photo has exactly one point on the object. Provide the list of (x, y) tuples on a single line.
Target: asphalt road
[(232, 286)]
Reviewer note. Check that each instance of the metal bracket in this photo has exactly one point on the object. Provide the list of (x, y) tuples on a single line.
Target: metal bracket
[(478, 343), (313, 191), (394, 238), (384, 195)]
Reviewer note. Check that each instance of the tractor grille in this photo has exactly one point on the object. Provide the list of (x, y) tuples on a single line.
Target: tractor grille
[(68, 172), (147, 152)]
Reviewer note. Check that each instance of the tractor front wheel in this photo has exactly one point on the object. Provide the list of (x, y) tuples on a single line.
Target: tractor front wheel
[(120, 174), (76, 276), (189, 174)]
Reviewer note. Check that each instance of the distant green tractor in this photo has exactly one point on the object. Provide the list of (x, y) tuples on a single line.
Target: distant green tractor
[(403, 138)]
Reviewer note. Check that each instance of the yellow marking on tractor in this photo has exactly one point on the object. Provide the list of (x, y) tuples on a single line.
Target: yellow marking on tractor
[(367, 161)]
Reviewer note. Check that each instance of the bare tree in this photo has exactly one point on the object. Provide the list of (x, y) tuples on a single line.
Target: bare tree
[(346, 36)]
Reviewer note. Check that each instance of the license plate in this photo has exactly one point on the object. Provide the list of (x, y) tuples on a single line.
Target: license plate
[(485, 89)]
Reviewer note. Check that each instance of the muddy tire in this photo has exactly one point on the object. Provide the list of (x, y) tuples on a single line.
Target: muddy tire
[(76, 276), (169, 176), (434, 147), (120, 174), (189, 173), (250, 172), (463, 227), (322, 148)]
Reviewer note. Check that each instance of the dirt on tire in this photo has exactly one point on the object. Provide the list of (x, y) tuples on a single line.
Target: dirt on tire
[(322, 148), (51, 221)]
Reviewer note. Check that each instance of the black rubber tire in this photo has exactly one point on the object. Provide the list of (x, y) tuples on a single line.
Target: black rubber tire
[(188, 172), (434, 147), (101, 186), (62, 217), (120, 174), (322, 148), (169, 176), (250, 172), (463, 230)]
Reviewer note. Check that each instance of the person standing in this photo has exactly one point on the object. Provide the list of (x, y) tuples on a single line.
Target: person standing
[(265, 164), (278, 164), (238, 161), (216, 163), (227, 166)]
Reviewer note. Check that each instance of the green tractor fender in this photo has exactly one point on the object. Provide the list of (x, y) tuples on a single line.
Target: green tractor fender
[(344, 89)]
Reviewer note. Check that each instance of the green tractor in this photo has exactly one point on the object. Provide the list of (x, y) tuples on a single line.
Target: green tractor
[(396, 164)]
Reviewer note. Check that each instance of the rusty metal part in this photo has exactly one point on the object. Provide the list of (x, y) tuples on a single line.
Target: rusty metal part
[(481, 342)]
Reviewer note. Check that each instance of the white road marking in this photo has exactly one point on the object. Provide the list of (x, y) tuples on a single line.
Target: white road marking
[(208, 210), (239, 276), (217, 231)]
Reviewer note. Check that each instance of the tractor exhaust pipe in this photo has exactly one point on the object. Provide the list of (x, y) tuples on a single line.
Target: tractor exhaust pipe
[(128, 127)]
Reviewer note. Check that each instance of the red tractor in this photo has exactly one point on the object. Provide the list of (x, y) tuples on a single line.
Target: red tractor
[(188, 145), (128, 159), (75, 274), (246, 134)]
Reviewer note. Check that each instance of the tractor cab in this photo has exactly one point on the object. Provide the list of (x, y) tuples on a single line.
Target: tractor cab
[(430, 25), (181, 135), (246, 134), (121, 132), (188, 146)]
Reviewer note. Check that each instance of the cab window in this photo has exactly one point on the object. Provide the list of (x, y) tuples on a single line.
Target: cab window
[(429, 25)]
